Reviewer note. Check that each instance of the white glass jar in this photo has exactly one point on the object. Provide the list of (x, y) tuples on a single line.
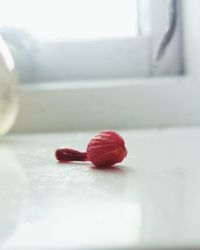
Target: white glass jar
[(9, 89)]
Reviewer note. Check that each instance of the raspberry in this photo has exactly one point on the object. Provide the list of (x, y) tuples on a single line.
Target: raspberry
[(105, 149)]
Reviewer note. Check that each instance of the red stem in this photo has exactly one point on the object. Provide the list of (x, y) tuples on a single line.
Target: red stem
[(68, 154)]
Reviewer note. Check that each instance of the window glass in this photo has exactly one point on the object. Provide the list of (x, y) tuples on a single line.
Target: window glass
[(72, 19)]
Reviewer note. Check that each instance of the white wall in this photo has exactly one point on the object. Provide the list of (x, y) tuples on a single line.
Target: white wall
[(191, 32)]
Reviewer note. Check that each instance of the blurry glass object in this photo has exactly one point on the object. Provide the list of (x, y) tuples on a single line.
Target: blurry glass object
[(9, 89), (24, 49), (13, 193)]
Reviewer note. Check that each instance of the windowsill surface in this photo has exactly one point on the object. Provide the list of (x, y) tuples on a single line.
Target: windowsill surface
[(151, 200), (113, 104)]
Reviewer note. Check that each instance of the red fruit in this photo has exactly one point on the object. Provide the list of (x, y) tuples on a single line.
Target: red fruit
[(105, 149)]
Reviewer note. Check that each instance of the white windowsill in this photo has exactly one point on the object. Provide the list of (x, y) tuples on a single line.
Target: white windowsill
[(150, 201), (121, 104)]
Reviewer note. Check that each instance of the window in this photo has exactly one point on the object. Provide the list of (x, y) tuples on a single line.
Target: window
[(66, 20), (87, 39)]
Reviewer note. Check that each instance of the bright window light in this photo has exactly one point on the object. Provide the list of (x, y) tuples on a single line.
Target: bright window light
[(72, 19)]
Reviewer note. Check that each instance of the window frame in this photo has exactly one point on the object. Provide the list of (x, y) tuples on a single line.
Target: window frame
[(154, 102), (108, 59)]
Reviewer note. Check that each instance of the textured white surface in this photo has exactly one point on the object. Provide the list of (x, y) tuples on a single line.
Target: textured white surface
[(151, 200), (139, 103)]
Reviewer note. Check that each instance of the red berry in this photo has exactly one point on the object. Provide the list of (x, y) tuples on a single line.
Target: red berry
[(105, 149)]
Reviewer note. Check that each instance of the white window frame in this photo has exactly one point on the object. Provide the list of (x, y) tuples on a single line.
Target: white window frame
[(116, 58), (119, 104)]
